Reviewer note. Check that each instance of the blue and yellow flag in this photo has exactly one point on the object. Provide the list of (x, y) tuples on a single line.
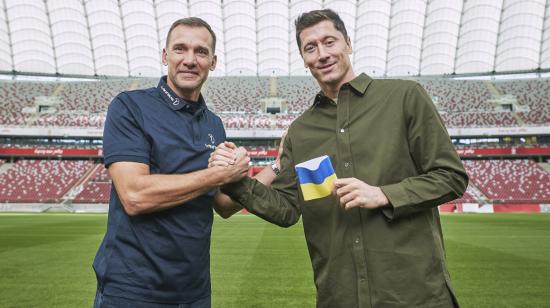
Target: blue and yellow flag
[(316, 177)]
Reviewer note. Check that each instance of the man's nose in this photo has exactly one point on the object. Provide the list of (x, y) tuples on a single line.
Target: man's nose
[(189, 59), (323, 53)]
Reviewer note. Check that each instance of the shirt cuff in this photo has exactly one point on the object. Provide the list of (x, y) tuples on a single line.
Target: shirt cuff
[(398, 198), (238, 191), (127, 158)]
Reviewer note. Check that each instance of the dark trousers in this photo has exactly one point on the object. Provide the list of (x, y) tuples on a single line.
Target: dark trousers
[(107, 301)]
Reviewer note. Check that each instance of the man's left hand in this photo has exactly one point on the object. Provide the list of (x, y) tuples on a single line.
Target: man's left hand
[(356, 193), (224, 155)]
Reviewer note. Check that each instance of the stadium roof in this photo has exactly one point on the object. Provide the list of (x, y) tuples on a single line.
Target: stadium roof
[(390, 37)]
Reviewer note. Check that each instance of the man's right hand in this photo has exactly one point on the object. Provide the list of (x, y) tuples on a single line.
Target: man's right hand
[(234, 160)]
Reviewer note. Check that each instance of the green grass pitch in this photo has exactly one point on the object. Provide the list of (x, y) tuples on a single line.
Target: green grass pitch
[(495, 260)]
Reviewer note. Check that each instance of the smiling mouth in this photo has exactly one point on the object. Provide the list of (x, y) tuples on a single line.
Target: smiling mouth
[(326, 67), (188, 74)]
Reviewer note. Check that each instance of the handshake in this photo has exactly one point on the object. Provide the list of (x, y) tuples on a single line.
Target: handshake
[(232, 161)]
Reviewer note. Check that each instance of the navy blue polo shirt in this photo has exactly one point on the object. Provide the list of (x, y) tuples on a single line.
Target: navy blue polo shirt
[(164, 256)]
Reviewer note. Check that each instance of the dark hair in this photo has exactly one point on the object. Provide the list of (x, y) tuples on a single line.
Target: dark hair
[(311, 18), (192, 22)]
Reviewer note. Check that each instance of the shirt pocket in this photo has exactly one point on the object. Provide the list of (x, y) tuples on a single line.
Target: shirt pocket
[(321, 208)]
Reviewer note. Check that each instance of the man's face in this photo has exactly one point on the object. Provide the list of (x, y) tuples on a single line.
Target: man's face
[(326, 53), (189, 57)]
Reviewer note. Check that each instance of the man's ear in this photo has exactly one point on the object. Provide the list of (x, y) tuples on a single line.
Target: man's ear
[(164, 62), (348, 42), (214, 62)]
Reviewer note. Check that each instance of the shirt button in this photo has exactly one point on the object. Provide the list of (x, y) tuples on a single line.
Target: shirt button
[(362, 280), (356, 241), (342, 130), (347, 164)]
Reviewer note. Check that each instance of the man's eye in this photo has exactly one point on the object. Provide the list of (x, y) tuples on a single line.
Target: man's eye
[(330, 43), (309, 49)]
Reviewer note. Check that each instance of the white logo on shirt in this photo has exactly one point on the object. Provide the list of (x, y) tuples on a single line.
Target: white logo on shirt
[(175, 101), (211, 146)]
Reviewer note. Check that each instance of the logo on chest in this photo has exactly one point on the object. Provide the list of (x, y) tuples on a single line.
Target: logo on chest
[(212, 144)]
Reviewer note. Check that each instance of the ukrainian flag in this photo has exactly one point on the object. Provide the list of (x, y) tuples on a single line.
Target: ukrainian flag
[(316, 177)]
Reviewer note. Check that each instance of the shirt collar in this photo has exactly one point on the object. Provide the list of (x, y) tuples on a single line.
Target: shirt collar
[(170, 98), (359, 85)]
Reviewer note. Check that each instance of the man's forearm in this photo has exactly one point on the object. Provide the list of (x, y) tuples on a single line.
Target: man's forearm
[(225, 206), (153, 192), (278, 206)]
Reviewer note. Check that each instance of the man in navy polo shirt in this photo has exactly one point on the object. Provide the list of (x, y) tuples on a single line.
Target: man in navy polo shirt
[(156, 147)]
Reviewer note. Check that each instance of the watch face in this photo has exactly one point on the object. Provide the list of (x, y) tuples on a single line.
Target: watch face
[(275, 168)]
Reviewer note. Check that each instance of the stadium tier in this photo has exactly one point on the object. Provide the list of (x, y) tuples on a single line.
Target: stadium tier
[(459, 95), (256, 121), (299, 91), (16, 96), (97, 188), (94, 192), (510, 181), (238, 100), (530, 93), (47, 181), (43, 181), (479, 119), (237, 94), (89, 96), (462, 103)]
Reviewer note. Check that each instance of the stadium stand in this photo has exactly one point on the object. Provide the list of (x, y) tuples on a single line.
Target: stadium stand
[(94, 192), (83, 104), (532, 93), (510, 181), (17, 95), (459, 95), (44, 181), (91, 97), (240, 94), (247, 121), (97, 188), (299, 91), (256, 121), (462, 103), (467, 103), (478, 119)]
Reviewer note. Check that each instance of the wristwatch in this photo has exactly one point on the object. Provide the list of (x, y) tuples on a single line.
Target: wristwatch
[(275, 168)]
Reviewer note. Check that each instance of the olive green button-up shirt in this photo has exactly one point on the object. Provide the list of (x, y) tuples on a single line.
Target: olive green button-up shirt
[(386, 133)]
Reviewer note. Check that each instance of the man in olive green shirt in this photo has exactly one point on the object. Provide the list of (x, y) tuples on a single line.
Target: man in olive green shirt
[(376, 241)]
